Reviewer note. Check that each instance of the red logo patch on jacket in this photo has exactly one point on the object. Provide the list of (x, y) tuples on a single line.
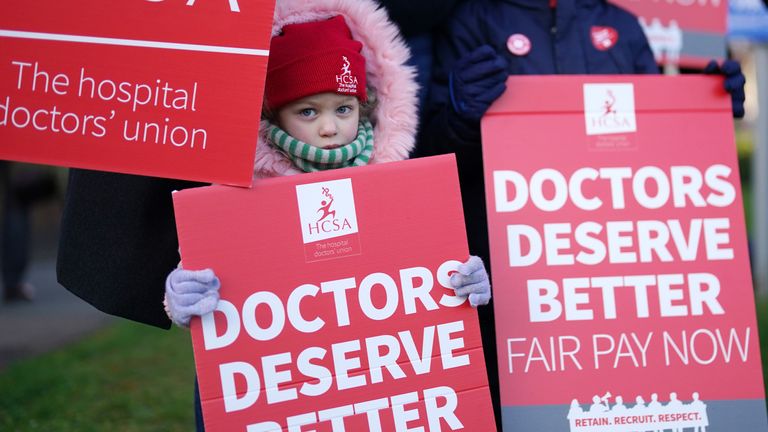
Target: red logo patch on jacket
[(604, 38)]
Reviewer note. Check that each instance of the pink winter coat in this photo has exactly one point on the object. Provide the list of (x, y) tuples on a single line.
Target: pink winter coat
[(395, 117)]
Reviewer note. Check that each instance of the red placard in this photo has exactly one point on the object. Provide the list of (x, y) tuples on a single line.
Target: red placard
[(334, 311), (159, 88), (688, 33), (620, 263)]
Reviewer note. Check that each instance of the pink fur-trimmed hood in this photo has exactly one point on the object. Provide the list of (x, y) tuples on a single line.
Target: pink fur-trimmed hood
[(395, 116)]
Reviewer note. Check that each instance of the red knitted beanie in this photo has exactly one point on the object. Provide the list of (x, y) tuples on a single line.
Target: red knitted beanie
[(314, 57)]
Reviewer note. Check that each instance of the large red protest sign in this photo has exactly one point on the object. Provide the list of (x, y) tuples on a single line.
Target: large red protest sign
[(683, 32), (335, 313), (621, 273), (163, 88)]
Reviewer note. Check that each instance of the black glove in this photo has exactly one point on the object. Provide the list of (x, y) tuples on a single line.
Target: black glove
[(477, 80), (734, 83)]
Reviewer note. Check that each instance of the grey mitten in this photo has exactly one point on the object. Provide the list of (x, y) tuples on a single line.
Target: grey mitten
[(471, 279), (190, 293)]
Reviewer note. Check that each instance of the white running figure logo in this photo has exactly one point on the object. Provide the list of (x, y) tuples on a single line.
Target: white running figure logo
[(608, 104), (233, 6), (344, 69)]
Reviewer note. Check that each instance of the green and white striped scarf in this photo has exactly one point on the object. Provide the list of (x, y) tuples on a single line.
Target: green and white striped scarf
[(309, 158)]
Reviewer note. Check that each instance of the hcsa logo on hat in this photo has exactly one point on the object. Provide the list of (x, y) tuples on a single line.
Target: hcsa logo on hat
[(346, 80)]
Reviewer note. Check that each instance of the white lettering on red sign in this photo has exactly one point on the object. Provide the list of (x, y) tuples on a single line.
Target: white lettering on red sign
[(233, 5)]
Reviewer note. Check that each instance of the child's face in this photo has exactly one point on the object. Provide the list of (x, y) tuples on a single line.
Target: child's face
[(325, 120)]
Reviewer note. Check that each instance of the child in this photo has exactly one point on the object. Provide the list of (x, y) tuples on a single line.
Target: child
[(122, 225), (337, 94), (319, 115)]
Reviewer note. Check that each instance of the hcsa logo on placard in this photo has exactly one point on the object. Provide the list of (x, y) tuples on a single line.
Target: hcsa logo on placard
[(609, 108), (326, 210)]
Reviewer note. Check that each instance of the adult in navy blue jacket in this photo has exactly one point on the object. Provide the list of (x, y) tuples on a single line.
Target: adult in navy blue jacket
[(473, 59), (487, 40)]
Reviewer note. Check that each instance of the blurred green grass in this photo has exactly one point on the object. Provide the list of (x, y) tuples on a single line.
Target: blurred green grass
[(744, 148), (746, 193), (128, 377)]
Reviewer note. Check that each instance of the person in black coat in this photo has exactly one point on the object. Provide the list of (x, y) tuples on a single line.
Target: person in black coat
[(118, 242)]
